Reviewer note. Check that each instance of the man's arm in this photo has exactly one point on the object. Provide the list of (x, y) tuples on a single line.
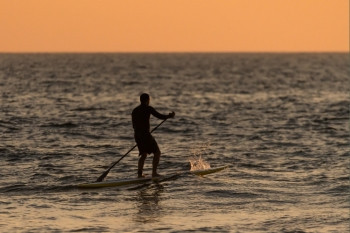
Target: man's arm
[(161, 116)]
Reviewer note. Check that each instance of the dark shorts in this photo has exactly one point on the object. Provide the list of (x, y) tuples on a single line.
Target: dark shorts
[(146, 143)]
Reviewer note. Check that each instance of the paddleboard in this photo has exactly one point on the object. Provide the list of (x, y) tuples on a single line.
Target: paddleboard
[(130, 181)]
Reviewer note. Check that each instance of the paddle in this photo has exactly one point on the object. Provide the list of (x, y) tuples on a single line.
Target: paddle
[(101, 178)]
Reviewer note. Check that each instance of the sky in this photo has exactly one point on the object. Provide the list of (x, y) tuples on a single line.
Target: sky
[(174, 25)]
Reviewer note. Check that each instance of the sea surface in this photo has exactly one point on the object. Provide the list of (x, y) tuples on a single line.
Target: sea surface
[(280, 121)]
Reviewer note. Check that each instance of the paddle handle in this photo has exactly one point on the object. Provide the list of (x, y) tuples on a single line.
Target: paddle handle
[(101, 178), (158, 125)]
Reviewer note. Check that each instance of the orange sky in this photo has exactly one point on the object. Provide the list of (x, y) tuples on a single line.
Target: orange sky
[(174, 25)]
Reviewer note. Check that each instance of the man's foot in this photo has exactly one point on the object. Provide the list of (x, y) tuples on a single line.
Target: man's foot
[(141, 176), (155, 175)]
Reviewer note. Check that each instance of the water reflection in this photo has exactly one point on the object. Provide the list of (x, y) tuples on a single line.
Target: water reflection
[(149, 204)]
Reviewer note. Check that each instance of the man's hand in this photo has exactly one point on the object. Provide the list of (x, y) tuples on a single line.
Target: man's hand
[(171, 115)]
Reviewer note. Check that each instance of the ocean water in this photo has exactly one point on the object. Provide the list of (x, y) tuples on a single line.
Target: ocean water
[(280, 121)]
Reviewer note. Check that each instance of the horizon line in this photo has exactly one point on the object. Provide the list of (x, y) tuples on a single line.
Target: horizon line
[(164, 52)]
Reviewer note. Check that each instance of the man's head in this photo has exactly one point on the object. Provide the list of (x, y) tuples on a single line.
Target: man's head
[(144, 98)]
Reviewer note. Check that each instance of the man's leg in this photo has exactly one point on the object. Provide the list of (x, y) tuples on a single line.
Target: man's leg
[(141, 163), (156, 159)]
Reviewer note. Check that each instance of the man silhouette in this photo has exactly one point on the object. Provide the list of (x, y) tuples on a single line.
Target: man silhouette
[(145, 141)]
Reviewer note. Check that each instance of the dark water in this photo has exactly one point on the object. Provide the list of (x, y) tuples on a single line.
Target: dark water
[(281, 121)]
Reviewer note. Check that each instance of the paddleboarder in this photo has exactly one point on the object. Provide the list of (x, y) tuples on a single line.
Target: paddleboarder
[(144, 140)]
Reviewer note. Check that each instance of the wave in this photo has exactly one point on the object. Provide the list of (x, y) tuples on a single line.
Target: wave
[(231, 194), (60, 125), (88, 109)]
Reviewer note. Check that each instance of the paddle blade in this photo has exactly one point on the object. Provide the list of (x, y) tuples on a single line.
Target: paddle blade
[(103, 176)]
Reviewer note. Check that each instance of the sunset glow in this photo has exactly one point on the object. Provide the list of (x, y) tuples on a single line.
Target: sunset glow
[(174, 26)]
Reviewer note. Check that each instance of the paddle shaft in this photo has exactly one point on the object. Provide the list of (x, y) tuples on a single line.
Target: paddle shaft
[(101, 178)]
